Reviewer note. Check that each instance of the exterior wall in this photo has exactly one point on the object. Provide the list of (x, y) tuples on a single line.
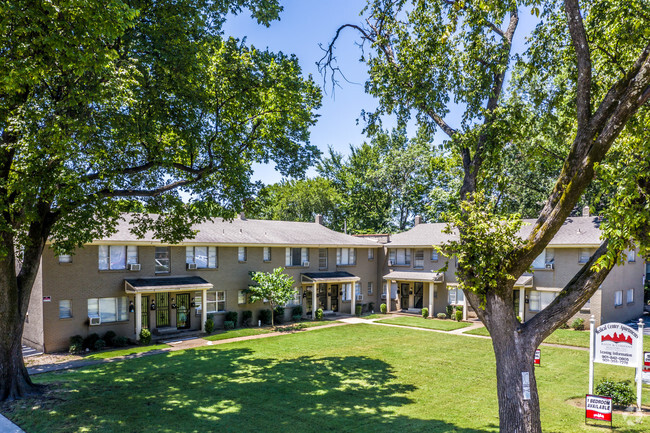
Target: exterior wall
[(33, 329)]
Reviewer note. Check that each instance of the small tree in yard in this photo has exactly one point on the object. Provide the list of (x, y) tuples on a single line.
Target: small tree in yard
[(274, 287)]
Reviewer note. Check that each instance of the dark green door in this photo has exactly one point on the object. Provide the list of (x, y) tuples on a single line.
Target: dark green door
[(322, 296), (335, 297), (418, 289), (404, 300), (183, 311), (145, 312), (162, 310)]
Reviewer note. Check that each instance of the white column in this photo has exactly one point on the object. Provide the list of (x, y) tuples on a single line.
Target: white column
[(389, 285), (204, 308), (639, 368), (592, 347), (313, 302), (464, 307), (138, 315), (431, 300), (522, 304), (353, 301)]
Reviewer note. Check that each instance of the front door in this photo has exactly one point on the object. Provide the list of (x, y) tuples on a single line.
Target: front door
[(162, 310), (418, 291), (515, 301), (322, 296), (404, 299), (335, 297), (144, 303), (183, 311)]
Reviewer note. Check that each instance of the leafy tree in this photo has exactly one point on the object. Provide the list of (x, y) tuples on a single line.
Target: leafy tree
[(582, 86), (275, 286), (114, 106)]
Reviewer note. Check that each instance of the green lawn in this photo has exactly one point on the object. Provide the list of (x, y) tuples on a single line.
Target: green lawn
[(340, 379), (123, 352), (374, 316), (419, 322), (234, 333)]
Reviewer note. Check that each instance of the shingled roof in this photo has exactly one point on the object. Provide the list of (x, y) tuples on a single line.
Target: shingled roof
[(583, 231), (251, 232)]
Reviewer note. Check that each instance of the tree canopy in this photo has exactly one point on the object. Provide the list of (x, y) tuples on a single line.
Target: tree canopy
[(274, 287)]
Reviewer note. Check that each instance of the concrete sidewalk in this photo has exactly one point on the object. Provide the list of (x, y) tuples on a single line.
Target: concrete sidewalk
[(7, 426)]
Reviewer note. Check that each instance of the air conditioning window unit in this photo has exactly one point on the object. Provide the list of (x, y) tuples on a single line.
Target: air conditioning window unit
[(305, 264), (359, 297), (191, 266), (94, 320), (383, 296), (390, 263), (549, 266), (135, 267)]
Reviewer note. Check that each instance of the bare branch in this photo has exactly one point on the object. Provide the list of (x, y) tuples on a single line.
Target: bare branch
[(581, 46)]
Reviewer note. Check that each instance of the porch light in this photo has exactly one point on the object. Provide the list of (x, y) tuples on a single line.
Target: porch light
[(153, 306), (131, 307), (173, 304)]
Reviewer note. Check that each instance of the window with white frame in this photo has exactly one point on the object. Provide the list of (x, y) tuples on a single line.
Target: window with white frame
[(242, 254), (347, 291), (357, 291), (630, 296), (587, 306), (216, 301), (346, 256), (295, 299), (371, 254), (618, 298), (393, 291), (547, 257), (65, 258), (455, 296), (117, 257), (369, 287), (537, 300), (202, 257), (322, 258), (400, 256), (267, 254), (631, 256), (198, 302), (65, 309), (109, 309), (584, 255), (419, 259), (434, 255), (296, 256), (241, 297), (162, 260)]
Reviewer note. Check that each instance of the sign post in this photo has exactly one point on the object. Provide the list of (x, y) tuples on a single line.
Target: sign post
[(639, 367), (592, 335)]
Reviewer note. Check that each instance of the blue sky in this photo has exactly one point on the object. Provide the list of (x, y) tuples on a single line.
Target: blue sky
[(303, 25)]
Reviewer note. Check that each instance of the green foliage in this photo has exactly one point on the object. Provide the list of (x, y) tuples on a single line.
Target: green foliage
[(265, 317), (383, 308), (90, 340), (441, 316), (358, 309), (425, 312), (296, 310), (275, 286), (278, 314), (109, 338), (227, 325), (246, 317), (578, 324), (209, 326), (99, 344), (296, 317), (123, 341), (145, 336), (76, 344), (621, 392), (319, 314), (450, 311), (371, 306), (459, 315), (231, 316)]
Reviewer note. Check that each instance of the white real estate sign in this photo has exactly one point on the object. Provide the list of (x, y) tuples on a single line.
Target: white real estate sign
[(617, 344)]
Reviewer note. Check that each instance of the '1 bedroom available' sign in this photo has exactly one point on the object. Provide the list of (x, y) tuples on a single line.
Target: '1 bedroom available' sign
[(616, 344), (598, 407)]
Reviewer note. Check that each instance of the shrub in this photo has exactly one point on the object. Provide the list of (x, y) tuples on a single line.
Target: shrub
[(231, 316), (109, 338), (89, 341), (357, 310), (441, 316), (319, 314), (296, 317), (459, 315), (76, 344), (278, 315), (621, 392), (246, 317), (265, 317), (564, 326), (578, 324), (459, 308), (122, 341), (228, 324), (518, 319), (425, 312), (371, 306), (209, 326), (145, 336), (450, 311), (100, 344), (296, 311), (382, 308)]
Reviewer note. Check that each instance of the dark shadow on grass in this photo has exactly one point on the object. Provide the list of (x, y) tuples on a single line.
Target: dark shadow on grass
[(228, 390)]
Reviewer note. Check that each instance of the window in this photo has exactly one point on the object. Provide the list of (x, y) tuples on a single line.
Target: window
[(434, 255), (65, 258), (109, 309), (584, 255), (369, 287), (630, 296), (545, 258), (400, 256), (267, 254), (347, 291), (296, 256), (587, 306), (161, 258), (371, 254), (216, 301), (295, 300), (393, 291), (618, 298), (241, 297), (631, 256), (455, 296), (537, 301), (65, 309), (383, 291), (202, 257), (346, 256), (198, 302), (357, 291), (242, 254), (322, 258), (116, 257), (419, 259)]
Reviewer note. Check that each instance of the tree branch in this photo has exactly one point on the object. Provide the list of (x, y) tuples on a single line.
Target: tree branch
[(581, 46)]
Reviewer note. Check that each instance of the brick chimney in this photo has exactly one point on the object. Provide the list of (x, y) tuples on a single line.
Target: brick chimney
[(418, 220), (319, 219), (585, 211)]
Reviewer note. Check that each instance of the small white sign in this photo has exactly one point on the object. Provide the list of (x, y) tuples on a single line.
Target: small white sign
[(525, 380), (598, 407), (616, 344)]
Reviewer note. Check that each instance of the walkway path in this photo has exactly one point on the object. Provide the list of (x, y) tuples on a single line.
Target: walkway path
[(7, 426)]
